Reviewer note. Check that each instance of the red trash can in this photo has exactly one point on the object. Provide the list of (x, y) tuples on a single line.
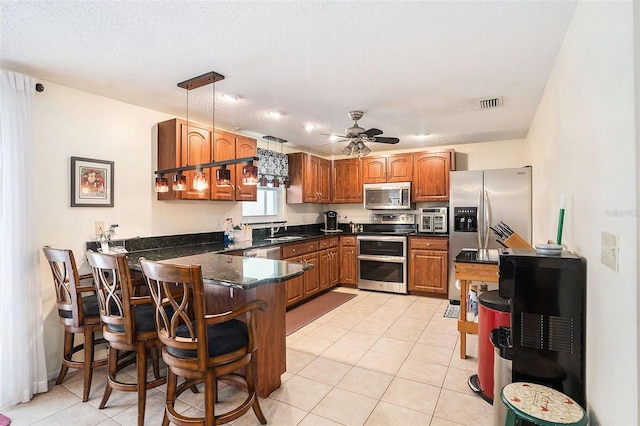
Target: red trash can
[(493, 312)]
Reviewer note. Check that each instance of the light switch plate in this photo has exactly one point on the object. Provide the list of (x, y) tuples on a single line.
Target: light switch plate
[(609, 250)]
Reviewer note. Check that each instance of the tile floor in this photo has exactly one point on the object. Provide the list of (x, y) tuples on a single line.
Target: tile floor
[(379, 359)]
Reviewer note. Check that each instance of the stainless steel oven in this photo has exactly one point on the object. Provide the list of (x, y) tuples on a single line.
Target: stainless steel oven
[(382, 252), (382, 263)]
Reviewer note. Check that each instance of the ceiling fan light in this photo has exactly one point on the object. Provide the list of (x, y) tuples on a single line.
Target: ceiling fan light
[(361, 146), (348, 149), (365, 151)]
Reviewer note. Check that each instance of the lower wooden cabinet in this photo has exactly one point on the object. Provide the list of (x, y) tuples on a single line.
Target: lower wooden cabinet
[(311, 276), (295, 286), (323, 255), (428, 265), (348, 260)]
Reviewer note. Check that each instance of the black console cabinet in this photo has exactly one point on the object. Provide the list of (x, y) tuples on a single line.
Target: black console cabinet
[(548, 318)]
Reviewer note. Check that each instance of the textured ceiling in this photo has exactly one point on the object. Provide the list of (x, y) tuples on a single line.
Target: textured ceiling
[(412, 67)]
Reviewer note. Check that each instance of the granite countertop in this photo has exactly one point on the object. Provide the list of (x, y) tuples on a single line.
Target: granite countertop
[(224, 269), (237, 271), (485, 256)]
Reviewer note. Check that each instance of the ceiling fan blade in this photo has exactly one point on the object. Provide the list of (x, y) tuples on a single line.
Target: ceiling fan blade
[(385, 140), (334, 135), (372, 132)]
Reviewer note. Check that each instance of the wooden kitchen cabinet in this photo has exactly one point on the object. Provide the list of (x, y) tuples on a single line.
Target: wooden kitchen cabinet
[(228, 146), (348, 260), (310, 179), (295, 286), (347, 181), (224, 148), (431, 176), (328, 263), (245, 147), (308, 284), (181, 145), (311, 276), (388, 168), (428, 265)]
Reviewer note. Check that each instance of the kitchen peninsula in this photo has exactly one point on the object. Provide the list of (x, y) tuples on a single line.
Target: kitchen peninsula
[(231, 282)]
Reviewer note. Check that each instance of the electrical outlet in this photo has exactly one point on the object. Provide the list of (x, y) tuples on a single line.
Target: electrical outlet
[(609, 250), (99, 227)]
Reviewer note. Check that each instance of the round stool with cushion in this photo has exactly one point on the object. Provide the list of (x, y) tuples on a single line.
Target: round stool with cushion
[(540, 405)]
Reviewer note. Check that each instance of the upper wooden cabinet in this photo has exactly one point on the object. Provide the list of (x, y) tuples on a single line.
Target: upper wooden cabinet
[(181, 145), (245, 147), (431, 176), (347, 181), (391, 168), (310, 179)]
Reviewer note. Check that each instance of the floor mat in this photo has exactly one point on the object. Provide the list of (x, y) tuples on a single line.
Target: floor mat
[(314, 309), (452, 311)]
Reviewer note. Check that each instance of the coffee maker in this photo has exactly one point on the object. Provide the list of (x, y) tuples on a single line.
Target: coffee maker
[(330, 220)]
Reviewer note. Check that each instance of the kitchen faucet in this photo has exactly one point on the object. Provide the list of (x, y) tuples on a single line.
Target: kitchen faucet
[(275, 229)]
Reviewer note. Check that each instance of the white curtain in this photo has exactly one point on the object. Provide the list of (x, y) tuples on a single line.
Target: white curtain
[(22, 359)]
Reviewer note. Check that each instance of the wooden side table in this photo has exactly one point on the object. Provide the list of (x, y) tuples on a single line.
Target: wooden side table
[(467, 272), (540, 405)]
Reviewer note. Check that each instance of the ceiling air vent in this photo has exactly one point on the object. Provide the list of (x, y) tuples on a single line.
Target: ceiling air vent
[(490, 103)]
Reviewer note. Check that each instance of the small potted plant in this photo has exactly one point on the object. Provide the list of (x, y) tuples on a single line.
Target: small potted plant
[(103, 238)]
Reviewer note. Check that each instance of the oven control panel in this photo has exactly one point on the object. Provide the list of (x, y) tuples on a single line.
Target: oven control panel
[(390, 218)]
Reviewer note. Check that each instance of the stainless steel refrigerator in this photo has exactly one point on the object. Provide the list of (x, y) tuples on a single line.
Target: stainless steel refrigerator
[(478, 200)]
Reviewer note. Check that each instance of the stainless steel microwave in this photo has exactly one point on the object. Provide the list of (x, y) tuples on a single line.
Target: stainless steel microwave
[(387, 196)]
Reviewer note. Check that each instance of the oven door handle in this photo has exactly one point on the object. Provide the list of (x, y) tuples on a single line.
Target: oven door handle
[(391, 259), (381, 238)]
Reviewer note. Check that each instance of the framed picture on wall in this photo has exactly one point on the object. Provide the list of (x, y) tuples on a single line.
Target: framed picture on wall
[(91, 182)]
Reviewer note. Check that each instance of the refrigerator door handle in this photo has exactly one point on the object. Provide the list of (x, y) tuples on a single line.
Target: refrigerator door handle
[(487, 219), (479, 225)]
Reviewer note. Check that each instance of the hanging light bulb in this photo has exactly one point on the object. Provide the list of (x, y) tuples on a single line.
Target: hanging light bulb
[(223, 176), (200, 180), (249, 174), (162, 184), (179, 182)]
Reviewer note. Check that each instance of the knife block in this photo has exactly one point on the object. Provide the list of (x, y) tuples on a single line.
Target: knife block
[(515, 241)]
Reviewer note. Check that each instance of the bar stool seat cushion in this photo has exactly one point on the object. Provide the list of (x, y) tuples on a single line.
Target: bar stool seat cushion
[(222, 338), (89, 307), (145, 320)]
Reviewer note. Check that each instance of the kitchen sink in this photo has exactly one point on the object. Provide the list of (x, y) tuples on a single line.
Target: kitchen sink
[(285, 238)]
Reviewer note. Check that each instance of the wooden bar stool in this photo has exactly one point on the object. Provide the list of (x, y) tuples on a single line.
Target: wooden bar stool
[(540, 405), (200, 347), (128, 325), (77, 312)]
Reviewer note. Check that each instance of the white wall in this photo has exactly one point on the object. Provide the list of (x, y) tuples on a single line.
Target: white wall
[(74, 123), (582, 144)]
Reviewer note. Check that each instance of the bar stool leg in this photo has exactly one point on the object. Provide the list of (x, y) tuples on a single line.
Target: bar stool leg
[(88, 363)]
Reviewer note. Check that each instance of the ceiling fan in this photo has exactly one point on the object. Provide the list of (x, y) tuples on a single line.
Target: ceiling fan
[(357, 136)]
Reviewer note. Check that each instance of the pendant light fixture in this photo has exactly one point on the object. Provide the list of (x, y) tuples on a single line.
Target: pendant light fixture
[(200, 180), (223, 174), (250, 174), (162, 184), (179, 182)]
